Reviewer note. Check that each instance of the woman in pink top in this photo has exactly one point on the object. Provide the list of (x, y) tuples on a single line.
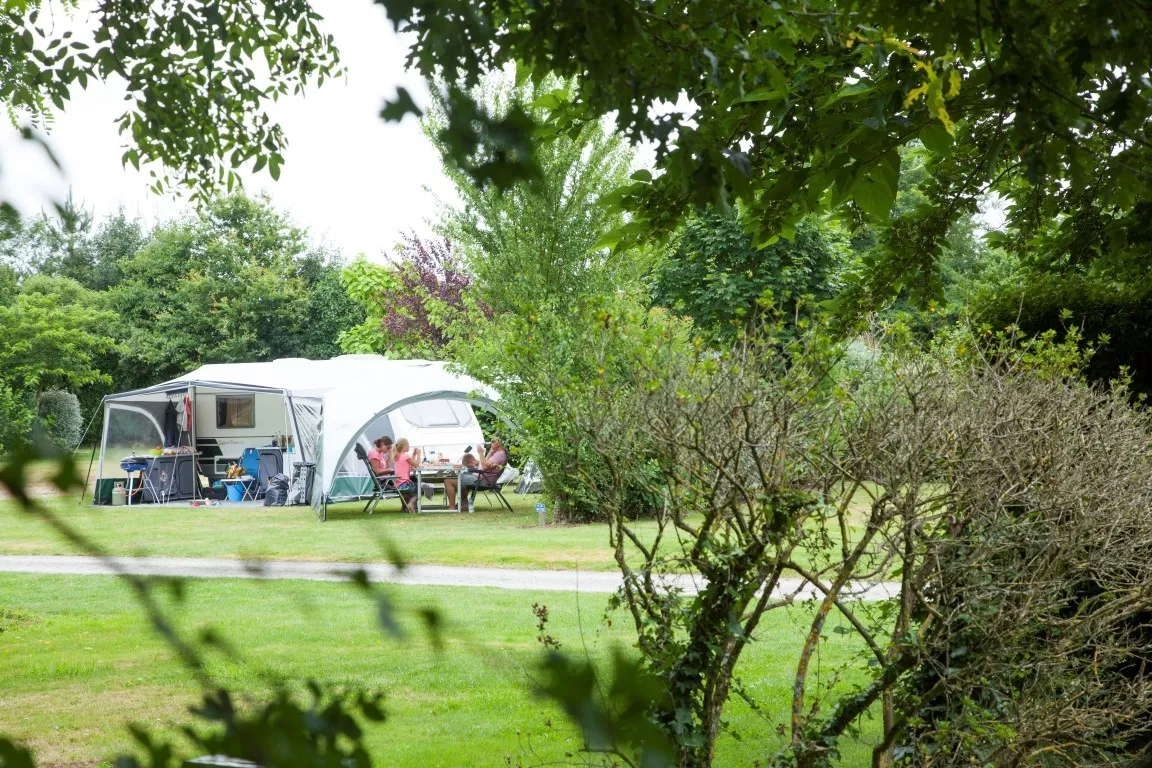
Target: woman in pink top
[(402, 464), (381, 455)]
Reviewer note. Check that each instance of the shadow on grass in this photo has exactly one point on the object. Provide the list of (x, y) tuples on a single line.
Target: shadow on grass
[(389, 511)]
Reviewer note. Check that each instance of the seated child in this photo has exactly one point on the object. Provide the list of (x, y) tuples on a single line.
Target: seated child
[(403, 463)]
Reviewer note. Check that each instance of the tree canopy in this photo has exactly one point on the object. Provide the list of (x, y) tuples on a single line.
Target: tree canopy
[(53, 331), (795, 111), (412, 305), (536, 242), (53, 334), (533, 251), (791, 111), (716, 276), (234, 284), (198, 77)]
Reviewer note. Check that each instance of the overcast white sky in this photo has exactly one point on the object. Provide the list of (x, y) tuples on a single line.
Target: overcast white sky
[(351, 179)]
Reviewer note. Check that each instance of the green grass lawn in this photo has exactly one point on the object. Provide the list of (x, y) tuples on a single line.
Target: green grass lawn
[(487, 538), (77, 661)]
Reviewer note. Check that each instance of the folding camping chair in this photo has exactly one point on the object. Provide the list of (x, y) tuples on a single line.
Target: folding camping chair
[(250, 461), (494, 488), (384, 486)]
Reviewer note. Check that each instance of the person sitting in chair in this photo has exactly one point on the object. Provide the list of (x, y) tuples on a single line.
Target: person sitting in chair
[(380, 455), (489, 467), (403, 463)]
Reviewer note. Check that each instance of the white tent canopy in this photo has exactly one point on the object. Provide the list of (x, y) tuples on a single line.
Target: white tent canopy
[(342, 395)]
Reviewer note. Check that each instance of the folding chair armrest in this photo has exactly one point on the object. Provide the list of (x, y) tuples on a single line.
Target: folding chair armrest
[(386, 481)]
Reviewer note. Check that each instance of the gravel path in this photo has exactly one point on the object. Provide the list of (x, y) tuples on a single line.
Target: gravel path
[(437, 575)]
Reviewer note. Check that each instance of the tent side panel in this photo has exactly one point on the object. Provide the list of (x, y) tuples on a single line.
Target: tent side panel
[(103, 447)]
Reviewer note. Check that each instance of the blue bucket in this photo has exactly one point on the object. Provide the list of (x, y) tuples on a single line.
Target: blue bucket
[(235, 490)]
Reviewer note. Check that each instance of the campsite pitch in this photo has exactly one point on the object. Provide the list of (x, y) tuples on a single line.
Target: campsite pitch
[(486, 538)]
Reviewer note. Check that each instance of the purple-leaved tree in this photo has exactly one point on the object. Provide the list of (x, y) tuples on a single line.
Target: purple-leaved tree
[(426, 297)]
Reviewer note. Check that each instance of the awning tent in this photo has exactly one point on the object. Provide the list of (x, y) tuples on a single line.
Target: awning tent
[(331, 402)]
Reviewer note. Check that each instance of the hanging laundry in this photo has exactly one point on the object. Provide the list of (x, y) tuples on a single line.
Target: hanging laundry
[(184, 413)]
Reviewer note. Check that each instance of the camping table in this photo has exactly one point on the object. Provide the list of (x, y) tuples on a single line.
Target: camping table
[(436, 474), (132, 464)]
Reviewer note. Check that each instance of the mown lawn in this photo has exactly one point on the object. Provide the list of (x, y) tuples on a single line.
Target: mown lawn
[(77, 661), (487, 538)]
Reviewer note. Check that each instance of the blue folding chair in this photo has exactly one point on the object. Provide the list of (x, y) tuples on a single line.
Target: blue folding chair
[(250, 461)]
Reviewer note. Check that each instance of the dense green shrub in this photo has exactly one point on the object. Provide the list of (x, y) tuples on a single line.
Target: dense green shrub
[(576, 477), (16, 419), (1117, 315), (60, 419)]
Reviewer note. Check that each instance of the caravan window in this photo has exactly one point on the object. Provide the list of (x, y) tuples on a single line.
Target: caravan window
[(438, 413), (236, 412)]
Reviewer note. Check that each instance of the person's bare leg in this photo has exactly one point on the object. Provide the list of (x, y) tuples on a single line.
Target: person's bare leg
[(450, 491)]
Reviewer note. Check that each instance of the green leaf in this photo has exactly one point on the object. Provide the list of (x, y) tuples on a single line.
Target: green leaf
[(875, 190), (66, 476), (854, 89), (953, 84), (934, 99), (548, 101), (936, 139), (523, 73), (612, 237), (13, 755), (395, 110), (762, 94)]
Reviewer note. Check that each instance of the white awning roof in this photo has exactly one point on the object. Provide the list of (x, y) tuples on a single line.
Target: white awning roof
[(305, 378)]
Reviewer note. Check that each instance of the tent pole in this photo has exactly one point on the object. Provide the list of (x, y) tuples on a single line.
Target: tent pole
[(91, 456), (287, 426), (91, 421), (192, 442)]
